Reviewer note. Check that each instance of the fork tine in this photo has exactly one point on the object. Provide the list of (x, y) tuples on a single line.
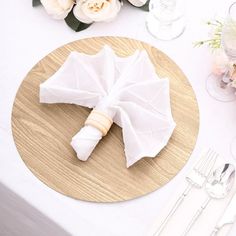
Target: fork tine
[(211, 164), (207, 167), (202, 160), (207, 162)]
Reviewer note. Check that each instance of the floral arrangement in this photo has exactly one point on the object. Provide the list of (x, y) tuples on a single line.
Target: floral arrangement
[(221, 63), (80, 14)]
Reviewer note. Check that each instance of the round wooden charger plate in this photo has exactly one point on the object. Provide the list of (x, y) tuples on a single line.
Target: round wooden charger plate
[(42, 132)]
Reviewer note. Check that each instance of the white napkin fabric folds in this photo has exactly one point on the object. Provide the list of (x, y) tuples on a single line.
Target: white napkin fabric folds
[(126, 89)]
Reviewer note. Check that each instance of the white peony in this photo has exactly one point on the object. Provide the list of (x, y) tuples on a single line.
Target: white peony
[(58, 9), (88, 11), (138, 3)]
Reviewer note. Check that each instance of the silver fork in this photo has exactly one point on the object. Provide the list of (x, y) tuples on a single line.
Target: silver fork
[(196, 179)]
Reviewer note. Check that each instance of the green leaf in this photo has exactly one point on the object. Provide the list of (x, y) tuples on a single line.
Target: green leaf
[(145, 7), (36, 3), (74, 23)]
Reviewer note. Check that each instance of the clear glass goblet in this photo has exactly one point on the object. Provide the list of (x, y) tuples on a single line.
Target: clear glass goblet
[(219, 87), (165, 19)]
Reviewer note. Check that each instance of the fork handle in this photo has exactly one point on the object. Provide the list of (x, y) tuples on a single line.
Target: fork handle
[(173, 210), (196, 216)]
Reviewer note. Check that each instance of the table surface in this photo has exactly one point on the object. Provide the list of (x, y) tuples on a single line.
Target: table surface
[(28, 34)]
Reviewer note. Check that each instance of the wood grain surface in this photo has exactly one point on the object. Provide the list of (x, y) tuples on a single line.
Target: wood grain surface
[(42, 132)]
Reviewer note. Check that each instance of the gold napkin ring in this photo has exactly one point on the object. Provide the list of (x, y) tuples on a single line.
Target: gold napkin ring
[(99, 120)]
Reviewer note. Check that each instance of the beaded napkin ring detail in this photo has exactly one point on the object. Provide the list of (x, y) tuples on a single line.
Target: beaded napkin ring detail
[(100, 121)]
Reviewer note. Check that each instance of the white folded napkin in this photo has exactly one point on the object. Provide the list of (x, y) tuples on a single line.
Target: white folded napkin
[(126, 89)]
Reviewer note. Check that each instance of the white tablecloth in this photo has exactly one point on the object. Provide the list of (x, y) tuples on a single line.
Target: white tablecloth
[(27, 35)]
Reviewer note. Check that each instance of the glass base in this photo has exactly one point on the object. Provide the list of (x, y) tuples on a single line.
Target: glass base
[(219, 90), (233, 148), (164, 30)]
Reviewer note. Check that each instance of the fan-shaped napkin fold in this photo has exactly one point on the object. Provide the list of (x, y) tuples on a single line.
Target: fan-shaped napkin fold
[(123, 89)]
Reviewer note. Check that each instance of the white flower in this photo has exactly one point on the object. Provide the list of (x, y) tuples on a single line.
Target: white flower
[(58, 9), (138, 3), (88, 11)]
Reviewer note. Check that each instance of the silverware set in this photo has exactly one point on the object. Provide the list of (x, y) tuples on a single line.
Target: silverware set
[(217, 184)]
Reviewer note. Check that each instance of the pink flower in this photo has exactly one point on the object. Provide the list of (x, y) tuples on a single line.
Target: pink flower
[(233, 84), (220, 63)]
